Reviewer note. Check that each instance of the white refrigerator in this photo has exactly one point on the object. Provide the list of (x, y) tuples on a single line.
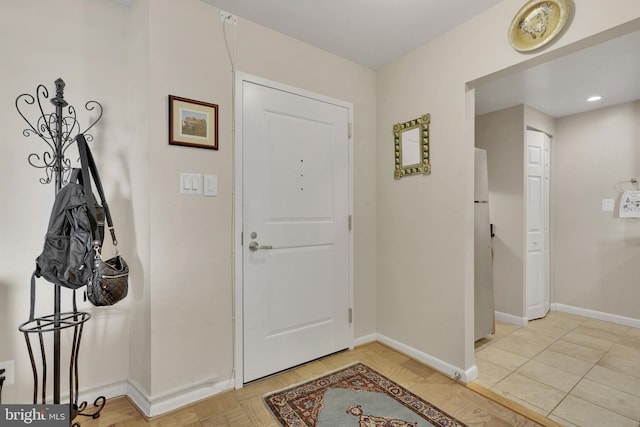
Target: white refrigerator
[(484, 308)]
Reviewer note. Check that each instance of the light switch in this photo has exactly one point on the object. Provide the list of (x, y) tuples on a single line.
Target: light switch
[(607, 205), (210, 185), (190, 183)]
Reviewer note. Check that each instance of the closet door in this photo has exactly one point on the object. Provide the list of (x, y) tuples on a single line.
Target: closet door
[(538, 150)]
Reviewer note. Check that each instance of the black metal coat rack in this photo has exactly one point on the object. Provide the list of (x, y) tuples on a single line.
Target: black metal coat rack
[(58, 130)]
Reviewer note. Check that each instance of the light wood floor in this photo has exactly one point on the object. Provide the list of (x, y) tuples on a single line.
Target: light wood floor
[(244, 407)]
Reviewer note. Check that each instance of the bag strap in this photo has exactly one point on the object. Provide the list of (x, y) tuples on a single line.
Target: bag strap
[(86, 182), (88, 164), (33, 297), (76, 175)]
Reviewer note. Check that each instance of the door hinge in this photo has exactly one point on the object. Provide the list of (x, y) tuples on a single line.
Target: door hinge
[(350, 315), (350, 130), (350, 222), (242, 238)]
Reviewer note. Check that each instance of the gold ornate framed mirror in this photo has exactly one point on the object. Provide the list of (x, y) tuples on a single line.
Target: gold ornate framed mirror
[(412, 147)]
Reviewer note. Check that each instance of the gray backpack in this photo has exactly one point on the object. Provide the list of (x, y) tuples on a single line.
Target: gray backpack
[(67, 255), (76, 221)]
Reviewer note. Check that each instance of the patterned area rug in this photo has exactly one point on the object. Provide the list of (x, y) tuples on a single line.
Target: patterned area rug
[(354, 396)]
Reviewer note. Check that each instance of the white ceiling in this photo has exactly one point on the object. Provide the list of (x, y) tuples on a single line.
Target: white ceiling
[(369, 32), (560, 87), (375, 32)]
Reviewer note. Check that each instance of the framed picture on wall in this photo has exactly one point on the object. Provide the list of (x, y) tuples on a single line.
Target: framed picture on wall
[(193, 123)]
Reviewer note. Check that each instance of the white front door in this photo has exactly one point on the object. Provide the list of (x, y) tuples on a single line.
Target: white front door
[(538, 156), (296, 244)]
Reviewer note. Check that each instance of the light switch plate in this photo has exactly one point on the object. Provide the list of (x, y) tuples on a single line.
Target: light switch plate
[(608, 205), (210, 185), (191, 183)]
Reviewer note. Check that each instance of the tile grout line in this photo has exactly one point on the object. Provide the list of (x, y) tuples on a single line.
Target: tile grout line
[(598, 382), (556, 339), (533, 379), (529, 359), (577, 382), (581, 378)]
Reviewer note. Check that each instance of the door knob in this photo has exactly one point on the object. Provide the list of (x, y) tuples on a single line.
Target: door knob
[(254, 246)]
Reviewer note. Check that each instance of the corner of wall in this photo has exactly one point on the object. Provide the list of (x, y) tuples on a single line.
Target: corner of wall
[(454, 372), (152, 406)]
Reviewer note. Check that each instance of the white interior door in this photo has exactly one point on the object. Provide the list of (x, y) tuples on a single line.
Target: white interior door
[(296, 229), (538, 156)]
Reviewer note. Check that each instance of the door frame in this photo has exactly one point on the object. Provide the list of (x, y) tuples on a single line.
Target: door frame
[(238, 280)]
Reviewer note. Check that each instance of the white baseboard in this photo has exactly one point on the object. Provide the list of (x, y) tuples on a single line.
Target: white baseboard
[(510, 318), (152, 406), (138, 396), (599, 315), (90, 394), (179, 397), (176, 398), (365, 339), (455, 372)]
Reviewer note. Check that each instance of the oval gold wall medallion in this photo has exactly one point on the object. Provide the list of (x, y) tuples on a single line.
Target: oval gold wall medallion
[(537, 23)]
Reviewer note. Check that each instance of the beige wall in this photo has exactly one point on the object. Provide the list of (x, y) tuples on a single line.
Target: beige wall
[(176, 328), (137, 95), (191, 237), (593, 253), (501, 133), (596, 253), (425, 224), (85, 43)]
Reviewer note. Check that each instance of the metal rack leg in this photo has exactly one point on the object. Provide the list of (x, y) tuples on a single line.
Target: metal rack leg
[(56, 343), (55, 323)]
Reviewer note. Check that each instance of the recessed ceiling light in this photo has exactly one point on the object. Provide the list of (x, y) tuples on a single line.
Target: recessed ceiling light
[(594, 98)]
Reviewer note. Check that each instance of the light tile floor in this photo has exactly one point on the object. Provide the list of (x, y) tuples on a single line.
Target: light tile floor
[(575, 370)]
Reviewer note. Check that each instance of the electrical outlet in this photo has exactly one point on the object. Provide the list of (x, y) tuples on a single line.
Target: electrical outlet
[(9, 372), (228, 18)]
